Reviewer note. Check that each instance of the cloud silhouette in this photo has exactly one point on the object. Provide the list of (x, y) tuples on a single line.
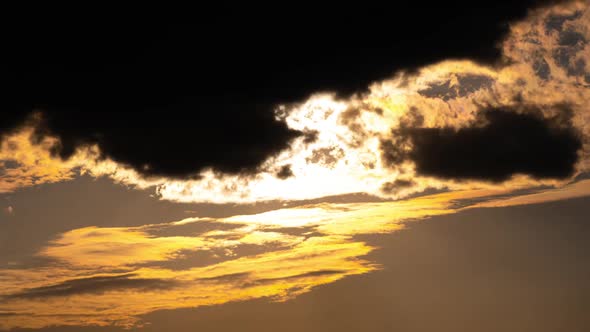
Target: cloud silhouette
[(500, 143), (179, 95)]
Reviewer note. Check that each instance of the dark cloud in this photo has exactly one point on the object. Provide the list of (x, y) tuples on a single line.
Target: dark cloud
[(570, 38), (542, 69), (571, 44), (326, 156), (556, 22), (227, 277), (95, 285), (466, 84), (285, 172), (172, 95), (565, 58), (318, 273), (6, 164), (311, 274), (396, 185), (310, 136), (499, 144)]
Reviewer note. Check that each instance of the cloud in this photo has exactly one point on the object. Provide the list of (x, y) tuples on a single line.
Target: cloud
[(113, 276), (396, 185), (333, 141), (313, 274), (99, 276), (120, 300), (285, 172), (176, 101), (575, 190), (120, 246), (460, 86), (93, 285), (499, 144), (25, 163), (427, 116)]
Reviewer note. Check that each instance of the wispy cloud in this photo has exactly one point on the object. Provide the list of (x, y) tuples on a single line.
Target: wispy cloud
[(115, 275), (24, 163)]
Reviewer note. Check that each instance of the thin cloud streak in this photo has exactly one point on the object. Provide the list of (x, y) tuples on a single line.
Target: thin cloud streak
[(115, 275)]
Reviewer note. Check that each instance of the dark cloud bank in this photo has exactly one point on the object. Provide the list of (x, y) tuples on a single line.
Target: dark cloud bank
[(500, 143), (171, 95)]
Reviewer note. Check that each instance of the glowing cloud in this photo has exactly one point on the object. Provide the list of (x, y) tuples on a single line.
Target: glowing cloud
[(24, 164), (347, 144), (103, 276)]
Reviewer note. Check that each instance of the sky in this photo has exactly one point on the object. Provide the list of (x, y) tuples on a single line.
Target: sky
[(325, 168)]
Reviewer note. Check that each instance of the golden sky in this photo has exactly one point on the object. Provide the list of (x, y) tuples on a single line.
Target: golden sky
[(114, 275)]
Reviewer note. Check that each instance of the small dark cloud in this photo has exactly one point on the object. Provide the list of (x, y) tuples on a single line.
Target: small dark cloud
[(318, 273), (227, 277), (556, 22), (562, 56), (310, 136), (439, 90), (394, 186), (285, 172), (579, 68), (326, 156), (466, 84), (541, 68), (571, 43), (95, 285), (350, 115), (9, 164), (499, 144), (570, 38), (565, 57), (469, 83)]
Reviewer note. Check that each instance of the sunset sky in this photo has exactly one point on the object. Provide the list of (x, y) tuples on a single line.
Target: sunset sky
[(297, 168)]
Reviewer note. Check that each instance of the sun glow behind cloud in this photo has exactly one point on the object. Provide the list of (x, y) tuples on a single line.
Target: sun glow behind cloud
[(121, 260), (114, 275), (341, 151)]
